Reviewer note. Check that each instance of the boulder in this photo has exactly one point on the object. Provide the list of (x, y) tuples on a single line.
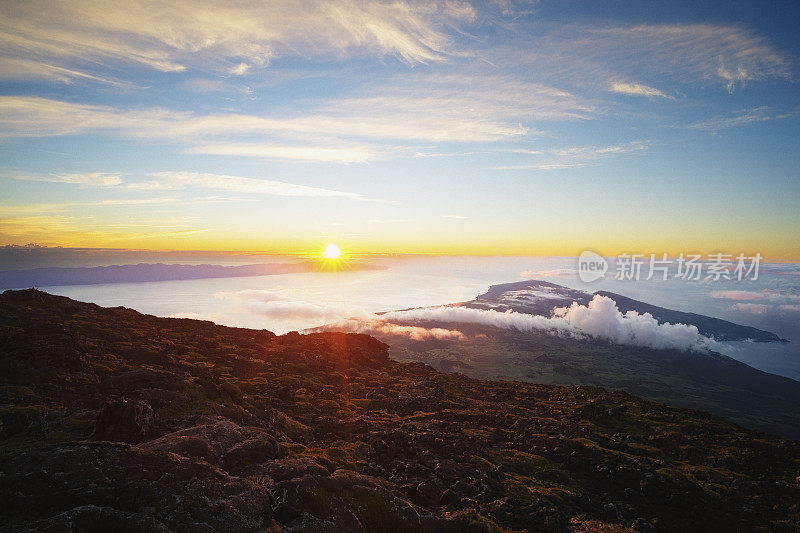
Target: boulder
[(124, 420), (233, 392), (256, 450), (94, 519), (122, 480), (220, 442), (183, 445), (284, 469)]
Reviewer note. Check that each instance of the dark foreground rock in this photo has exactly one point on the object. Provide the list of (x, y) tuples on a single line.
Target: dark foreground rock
[(159, 490), (117, 421)]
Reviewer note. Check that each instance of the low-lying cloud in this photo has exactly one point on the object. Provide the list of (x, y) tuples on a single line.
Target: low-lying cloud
[(600, 319), (552, 273), (275, 305), (771, 295), (378, 326), (341, 317), (756, 309), (762, 302)]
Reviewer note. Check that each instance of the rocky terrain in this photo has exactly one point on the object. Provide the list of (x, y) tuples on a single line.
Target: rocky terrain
[(117, 421)]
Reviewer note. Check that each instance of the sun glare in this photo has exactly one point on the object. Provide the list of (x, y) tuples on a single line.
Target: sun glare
[(332, 251)]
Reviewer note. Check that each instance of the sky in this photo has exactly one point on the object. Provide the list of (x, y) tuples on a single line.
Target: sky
[(503, 127)]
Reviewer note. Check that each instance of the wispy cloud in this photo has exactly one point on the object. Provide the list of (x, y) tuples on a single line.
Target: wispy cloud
[(771, 295), (222, 182), (280, 307), (33, 116), (575, 157), (443, 154), (776, 300), (638, 89), (72, 224), (376, 325), (727, 54), (452, 108), (28, 69), (92, 179), (171, 36), (71, 41), (160, 234), (756, 309), (695, 54), (55, 207), (741, 118), (168, 181), (551, 273), (737, 295), (328, 154)]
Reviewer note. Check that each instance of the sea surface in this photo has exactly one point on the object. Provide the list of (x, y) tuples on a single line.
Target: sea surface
[(287, 302)]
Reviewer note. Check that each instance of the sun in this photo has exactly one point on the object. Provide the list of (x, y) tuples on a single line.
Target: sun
[(332, 251)]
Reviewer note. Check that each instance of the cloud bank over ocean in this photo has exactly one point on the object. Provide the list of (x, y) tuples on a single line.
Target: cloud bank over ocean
[(599, 319)]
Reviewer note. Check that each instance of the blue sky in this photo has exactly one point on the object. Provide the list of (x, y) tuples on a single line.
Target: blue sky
[(458, 127)]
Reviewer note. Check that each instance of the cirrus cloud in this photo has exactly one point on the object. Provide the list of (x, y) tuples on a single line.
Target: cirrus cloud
[(61, 40), (638, 89)]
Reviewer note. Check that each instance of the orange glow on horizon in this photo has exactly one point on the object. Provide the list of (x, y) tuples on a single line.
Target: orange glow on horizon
[(773, 248)]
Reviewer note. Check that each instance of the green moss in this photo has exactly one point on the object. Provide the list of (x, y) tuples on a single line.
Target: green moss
[(58, 436), (375, 512), (293, 449), (530, 465), (18, 418), (314, 500), (361, 403), (471, 521), (476, 432), (483, 464), (526, 492), (707, 474), (21, 442), (521, 462), (673, 474), (518, 491), (16, 394), (328, 406), (290, 426), (650, 451)]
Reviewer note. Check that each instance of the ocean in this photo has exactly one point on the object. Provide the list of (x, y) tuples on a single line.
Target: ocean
[(287, 302)]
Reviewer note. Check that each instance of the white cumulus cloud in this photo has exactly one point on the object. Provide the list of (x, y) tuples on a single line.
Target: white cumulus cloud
[(600, 319)]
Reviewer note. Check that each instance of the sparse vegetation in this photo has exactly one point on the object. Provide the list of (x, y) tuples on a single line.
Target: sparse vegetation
[(325, 432)]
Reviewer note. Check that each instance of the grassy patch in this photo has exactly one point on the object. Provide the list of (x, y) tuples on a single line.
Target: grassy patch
[(314, 500)]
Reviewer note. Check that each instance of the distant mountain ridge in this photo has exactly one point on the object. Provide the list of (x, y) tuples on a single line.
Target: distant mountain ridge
[(540, 297), (144, 272)]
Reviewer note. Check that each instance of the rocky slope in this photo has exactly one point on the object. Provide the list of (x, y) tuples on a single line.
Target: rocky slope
[(114, 420)]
